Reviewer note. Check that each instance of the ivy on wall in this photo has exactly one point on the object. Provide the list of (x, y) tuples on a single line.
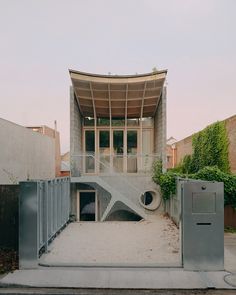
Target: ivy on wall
[(209, 161), (210, 148), (167, 181)]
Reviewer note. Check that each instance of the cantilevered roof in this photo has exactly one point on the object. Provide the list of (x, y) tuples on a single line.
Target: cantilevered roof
[(130, 96)]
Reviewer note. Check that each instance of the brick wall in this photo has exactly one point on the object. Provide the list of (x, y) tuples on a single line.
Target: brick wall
[(184, 146), (231, 130)]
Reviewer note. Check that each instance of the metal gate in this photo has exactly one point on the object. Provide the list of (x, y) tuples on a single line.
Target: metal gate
[(44, 208), (202, 225)]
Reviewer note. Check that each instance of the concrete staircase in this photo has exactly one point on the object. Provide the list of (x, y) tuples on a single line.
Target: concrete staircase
[(122, 191)]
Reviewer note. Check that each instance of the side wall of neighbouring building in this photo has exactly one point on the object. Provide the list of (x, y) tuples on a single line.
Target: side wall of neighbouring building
[(45, 130), (24, 154), (184, 146)]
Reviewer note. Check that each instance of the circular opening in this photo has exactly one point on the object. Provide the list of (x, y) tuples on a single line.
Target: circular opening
[(147, 198), (150, 200)]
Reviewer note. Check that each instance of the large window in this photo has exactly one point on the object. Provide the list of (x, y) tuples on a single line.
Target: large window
[(132, 145), (118, 149), (90, 151), (104, 150)]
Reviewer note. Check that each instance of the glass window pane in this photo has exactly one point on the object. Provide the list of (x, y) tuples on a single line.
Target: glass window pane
[(104, 151), (133, 122), (103, 122), (132, 142), (89, 141), (88, 121), (118, 148), (104, 139), (118, 141), (118, 122)]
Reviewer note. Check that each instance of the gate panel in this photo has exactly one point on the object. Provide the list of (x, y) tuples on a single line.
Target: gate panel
[(44, 209), (203, 225), (28, 223)]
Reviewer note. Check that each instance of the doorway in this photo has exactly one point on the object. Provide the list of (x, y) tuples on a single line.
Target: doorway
[(87, 206)]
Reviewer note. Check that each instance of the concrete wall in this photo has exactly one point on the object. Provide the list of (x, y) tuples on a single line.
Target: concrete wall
[(75, 134), (184, 146), (24, 154), (45, 130), (160, 129)]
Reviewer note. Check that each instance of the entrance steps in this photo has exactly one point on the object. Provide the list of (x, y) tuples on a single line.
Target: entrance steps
[(125, 192)]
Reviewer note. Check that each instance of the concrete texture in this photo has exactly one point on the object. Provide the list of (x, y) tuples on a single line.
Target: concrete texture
[(25, 154), (118, 278), (230, 252), (70, 291), (129, 278), (160, 129), (75, 134), (129, 243)]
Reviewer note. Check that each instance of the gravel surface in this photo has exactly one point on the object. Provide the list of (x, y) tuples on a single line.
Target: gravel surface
[(155, 241), (8, 260)]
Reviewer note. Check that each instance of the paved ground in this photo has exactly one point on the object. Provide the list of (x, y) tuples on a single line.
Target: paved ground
[(119, 278), (43, 291), (143, 242), (230, 252)]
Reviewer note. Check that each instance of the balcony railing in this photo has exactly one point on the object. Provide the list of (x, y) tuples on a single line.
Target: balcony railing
[(111, 164)]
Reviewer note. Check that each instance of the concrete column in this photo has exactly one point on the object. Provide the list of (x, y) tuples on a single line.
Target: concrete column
[(75, 134), (163, 152)]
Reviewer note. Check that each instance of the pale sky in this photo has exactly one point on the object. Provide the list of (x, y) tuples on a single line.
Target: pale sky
[(194, 39)]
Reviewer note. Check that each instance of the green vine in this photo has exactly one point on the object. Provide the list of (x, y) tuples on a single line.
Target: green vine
[(210, 148), (167, 181)]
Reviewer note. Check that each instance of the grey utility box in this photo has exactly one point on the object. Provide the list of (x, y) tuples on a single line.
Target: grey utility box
[(203, 225)]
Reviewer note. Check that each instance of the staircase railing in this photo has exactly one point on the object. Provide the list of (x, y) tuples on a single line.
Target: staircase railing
[(111, 164)]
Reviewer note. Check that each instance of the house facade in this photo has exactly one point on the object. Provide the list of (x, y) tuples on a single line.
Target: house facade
[(117, 131)]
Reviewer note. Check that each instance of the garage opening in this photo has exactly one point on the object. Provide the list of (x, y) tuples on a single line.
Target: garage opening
[(87, 206)]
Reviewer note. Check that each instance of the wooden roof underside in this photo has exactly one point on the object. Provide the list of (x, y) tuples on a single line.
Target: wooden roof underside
[(108, 96)]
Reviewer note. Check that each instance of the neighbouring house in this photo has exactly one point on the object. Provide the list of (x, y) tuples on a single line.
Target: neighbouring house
[(53, 133), (170, 152), (25, 154), (65, 164), (184, 146), (117, 131)]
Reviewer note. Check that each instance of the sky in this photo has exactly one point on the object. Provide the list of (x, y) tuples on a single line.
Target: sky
[(194, 39)]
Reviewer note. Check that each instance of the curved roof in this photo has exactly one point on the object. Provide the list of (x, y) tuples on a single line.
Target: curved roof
[(130, 96)]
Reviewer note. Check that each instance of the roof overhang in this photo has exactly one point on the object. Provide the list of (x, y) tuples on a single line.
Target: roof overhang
[(107, 96)]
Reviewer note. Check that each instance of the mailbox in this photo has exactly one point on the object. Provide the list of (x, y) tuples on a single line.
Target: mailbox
[(203, 225)]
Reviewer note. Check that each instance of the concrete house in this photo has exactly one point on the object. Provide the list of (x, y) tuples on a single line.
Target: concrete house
[(117, 131)]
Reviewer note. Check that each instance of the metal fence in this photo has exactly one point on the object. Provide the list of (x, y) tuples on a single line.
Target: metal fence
[(173, 205), (173, 208), (44, 210)]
